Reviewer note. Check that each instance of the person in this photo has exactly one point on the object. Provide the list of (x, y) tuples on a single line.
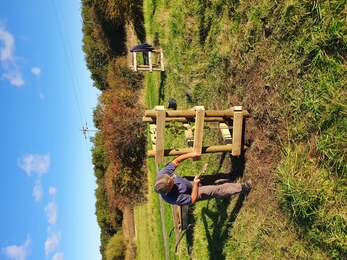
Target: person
[(181, 191)]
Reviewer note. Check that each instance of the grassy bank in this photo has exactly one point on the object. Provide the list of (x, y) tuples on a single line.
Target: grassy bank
[(285, 62)]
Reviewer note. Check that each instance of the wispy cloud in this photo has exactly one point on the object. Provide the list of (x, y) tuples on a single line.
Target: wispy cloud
[(52, 190), (36, 71), (58, 256), (52, 213), (8, 59), (35, 163), (38, 191), (18, 252), (52, 242)]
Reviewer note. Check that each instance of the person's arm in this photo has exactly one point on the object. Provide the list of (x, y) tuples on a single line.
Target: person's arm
[(183, 157), (195, 191)]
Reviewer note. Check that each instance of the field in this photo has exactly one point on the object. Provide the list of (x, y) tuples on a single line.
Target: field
[(285, 62)]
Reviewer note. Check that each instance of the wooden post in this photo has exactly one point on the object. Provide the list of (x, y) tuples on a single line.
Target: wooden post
[(150, 61), (237, 131), (199, 130), (160, 133), (135, 61)]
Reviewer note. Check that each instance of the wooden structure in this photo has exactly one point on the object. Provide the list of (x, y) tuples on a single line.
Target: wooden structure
[(231, 119), (149, 58)]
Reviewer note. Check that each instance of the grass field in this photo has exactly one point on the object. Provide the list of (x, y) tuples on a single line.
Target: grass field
[(285, 62)]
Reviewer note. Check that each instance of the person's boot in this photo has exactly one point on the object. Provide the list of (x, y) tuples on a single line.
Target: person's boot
[(246, 186)]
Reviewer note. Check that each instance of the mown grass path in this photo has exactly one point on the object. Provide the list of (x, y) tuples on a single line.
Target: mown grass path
[(166, 248)]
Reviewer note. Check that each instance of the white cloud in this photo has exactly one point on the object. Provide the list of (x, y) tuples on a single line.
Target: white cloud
[(52, 190), (7, 58), (35, 163), (38, 191), (18, 252), (58, 256), (52, 213), (7, 50), (52, 243), (15, 78), (36, 71)]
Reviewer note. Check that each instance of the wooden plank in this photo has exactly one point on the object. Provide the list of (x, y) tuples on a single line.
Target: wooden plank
[(143, 68), (134, 61), (199, 130), (162, 61), (191, 113), (152, 120), (150, 61), (176, 212), (160, 133), (189, 135), (237, 133), (154, 66), (205, 149), (225, 133)]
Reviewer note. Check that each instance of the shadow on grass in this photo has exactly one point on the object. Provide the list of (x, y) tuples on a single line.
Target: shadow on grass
[(190, 230), (218, 233), (139, 21), (204, 24), (161, 91), (237, 165)]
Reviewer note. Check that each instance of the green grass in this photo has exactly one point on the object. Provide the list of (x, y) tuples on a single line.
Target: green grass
[(293, 83)]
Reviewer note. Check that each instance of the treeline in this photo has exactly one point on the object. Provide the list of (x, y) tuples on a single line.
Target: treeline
[(119, 147)]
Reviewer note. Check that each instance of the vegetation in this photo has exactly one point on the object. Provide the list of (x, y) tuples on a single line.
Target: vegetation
[(115, 247), (283, 61), (119, 146)]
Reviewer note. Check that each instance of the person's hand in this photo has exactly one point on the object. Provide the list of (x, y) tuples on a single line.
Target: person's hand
[(196, 180), (195, 154)]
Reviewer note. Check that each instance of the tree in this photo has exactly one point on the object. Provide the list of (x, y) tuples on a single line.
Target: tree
[(115, 248)]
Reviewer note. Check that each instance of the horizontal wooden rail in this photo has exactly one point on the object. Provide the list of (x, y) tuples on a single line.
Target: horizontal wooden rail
[(207, 149), (152, 120), (191, 113)]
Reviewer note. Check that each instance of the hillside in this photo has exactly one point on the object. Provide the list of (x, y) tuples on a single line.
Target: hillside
[(285, 62)]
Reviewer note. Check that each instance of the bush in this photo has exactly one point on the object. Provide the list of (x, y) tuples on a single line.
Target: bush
[(115, 247)]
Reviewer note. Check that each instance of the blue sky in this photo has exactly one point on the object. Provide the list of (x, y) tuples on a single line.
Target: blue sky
[(46, 96)]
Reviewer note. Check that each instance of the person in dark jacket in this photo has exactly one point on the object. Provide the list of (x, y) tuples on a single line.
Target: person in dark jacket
[(181, 191)]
